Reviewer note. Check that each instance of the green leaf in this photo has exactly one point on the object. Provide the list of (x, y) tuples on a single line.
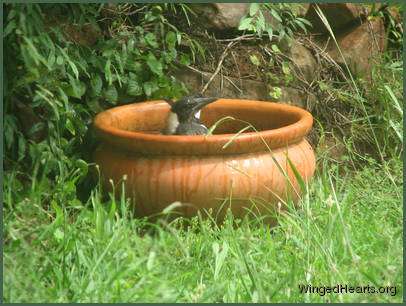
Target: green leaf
[(111, 94), (70, 127), (133, 88), (32, 75), (276, 15), (51, 58), (134, 66), (11, 14), (185, 59), (33, 52), (276, 92), (131, 44), (59, 60), (151, 40), (301, 25), (63, 96), (275, 49), (58, 209), (74, 69), (394, 100), (288, 78), (82, 165), (150, 87), (254, 8), (255, 60), (285, 67), (108, 52), (9, 28), (94, 105), (96, 84), (298, 177), (170, 39), (260, 22), (245, 24), (154, 64), (269, 30), (220, 256), (305, 21), (76, 88), (107, 72), (21, 148)]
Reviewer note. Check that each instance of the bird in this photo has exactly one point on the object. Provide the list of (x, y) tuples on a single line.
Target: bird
[(184, 116)]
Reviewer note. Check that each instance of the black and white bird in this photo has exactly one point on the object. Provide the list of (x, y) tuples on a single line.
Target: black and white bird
[(184, 116)]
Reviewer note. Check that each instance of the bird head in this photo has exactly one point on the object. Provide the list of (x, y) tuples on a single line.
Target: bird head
[(189, 107), (185, 110)]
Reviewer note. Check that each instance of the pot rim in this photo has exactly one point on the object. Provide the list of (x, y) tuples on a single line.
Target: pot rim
[(277, 137)]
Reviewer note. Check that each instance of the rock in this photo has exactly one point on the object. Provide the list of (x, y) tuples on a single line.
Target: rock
[(220, 16), (339, 15), (359, 45), (301, 8), (304, 64), (224, 16), (296, 97), (250, 89), (87, 36), (225, 87), (28, 120)]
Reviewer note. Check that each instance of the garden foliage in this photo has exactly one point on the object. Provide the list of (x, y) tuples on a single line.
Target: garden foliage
[(56, 80)]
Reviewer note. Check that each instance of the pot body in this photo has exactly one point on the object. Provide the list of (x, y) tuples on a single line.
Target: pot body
[(248, 180), (242, 182)]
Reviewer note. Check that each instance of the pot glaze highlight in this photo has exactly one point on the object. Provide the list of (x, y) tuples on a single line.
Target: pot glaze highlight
[(197, 170)]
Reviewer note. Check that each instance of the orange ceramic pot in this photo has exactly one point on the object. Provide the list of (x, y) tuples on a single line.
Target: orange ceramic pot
[(197, 170)]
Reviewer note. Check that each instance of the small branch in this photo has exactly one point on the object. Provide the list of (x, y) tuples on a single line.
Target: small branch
[(206, 73), (116, 12), (232, 83), (246, 37), (223, 56), (196, 70), (243, 37)]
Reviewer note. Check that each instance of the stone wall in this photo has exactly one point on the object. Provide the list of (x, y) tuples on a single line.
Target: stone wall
[(361, 40)]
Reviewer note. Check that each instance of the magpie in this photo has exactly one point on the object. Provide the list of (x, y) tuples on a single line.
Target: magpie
[(184, 116)]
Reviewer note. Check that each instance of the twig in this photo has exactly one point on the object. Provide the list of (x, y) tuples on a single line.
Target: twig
[(238, 70), (115, 12), (196, 70), (206, 74), (326, 56), (223, 56), (244, 37), (232, 83)]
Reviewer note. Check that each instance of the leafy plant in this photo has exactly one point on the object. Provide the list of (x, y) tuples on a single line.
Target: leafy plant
[(375, 110), (285, 14), (66, 62)]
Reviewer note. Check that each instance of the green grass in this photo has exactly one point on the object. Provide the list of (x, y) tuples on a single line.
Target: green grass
[(59, 247), (348, 232)]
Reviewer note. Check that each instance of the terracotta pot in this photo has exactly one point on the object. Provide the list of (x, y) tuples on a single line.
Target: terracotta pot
[(198, 170)]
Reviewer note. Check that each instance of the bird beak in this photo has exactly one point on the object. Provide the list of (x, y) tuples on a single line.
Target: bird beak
[(200, 102)]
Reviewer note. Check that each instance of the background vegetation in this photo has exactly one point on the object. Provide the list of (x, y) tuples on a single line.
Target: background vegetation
[(66, 242)]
